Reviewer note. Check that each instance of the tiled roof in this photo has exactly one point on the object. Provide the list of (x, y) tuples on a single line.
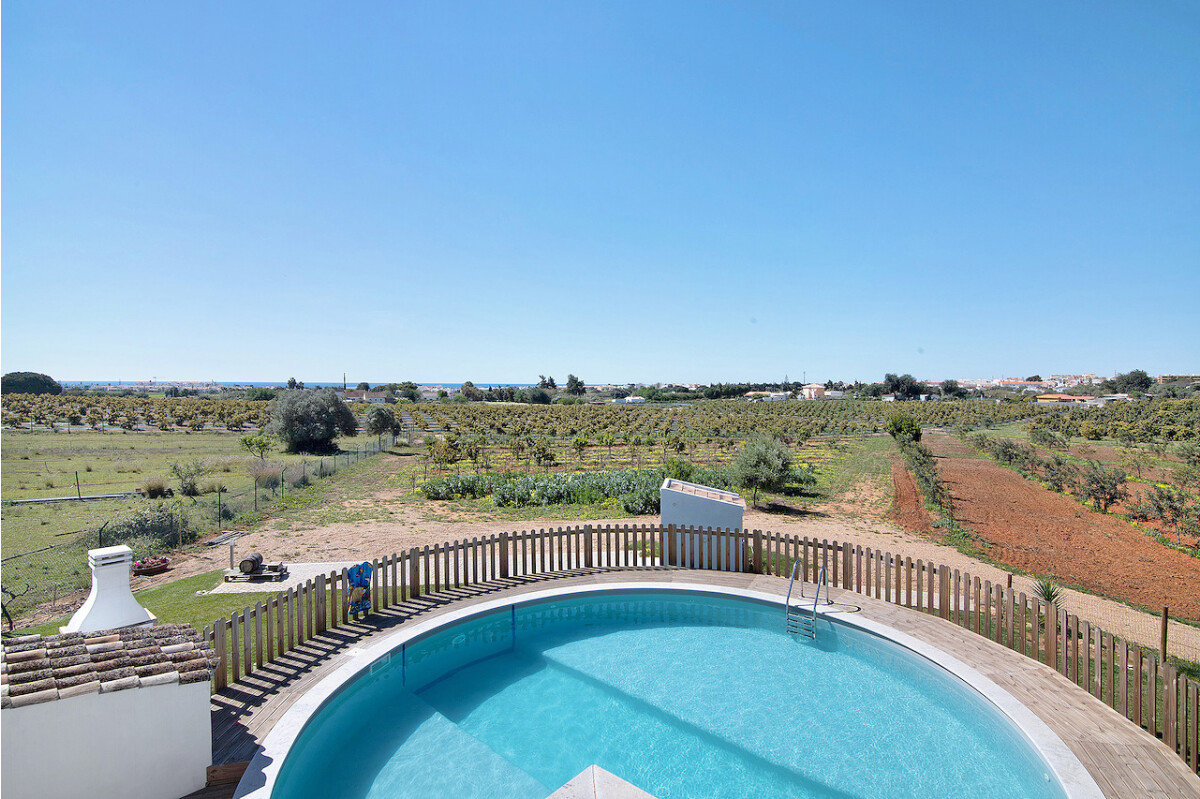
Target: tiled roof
[(37, 668)]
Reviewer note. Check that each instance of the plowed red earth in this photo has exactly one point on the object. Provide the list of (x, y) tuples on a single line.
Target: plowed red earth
[(907, 509), (1030, 527)]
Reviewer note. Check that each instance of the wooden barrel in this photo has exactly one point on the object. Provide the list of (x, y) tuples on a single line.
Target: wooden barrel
[(251, 563)]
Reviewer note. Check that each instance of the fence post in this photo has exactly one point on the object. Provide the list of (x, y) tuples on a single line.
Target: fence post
[(672, 553), (322, 605), (504, 570), (944, 592), (78, 493), (414, 579), (1162, 635), (758, 552), (587, 547)]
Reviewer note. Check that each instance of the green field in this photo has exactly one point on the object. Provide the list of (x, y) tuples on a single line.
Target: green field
[(45, 545)]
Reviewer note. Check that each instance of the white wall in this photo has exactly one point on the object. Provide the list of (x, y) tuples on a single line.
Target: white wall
[(684, 509), (140, 743)]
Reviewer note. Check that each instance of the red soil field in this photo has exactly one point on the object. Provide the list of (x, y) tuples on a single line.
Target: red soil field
[(1030, 527)]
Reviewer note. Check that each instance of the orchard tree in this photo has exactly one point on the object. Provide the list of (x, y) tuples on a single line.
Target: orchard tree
[(1102, 487), (258, 445), (309, 421)]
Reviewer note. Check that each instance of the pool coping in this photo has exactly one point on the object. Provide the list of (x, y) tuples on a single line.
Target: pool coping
[(260, 776)]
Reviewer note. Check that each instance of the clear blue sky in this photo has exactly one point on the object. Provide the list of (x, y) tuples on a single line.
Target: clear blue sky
[(633, 191)]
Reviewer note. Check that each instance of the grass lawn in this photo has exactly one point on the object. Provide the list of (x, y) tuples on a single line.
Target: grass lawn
[(177, 603)]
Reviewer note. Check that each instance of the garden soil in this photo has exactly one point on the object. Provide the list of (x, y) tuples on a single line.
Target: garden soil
[(1034, 529)]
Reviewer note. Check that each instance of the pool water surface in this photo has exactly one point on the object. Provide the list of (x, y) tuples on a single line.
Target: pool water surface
[(681, 694)]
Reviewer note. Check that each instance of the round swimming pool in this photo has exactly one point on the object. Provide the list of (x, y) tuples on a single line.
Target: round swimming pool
[(681, 693)]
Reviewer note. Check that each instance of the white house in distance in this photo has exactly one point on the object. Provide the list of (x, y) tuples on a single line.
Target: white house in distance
[(630, 400)]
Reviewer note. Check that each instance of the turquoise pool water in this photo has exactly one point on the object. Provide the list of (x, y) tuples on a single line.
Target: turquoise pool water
[(683, 695)]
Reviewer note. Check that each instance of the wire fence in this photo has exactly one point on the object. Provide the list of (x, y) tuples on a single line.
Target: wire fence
[(54, 575)]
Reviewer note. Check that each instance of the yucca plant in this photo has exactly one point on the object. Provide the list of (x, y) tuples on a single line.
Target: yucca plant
[(1045, 589)]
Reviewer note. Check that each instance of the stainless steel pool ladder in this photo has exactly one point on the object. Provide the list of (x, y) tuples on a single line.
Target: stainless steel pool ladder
[(802, 620)]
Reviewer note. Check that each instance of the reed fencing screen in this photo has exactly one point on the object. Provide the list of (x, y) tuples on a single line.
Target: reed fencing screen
[(1136, 683)]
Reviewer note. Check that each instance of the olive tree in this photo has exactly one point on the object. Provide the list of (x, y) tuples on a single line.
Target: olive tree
[(381, 419), (309, 421), (762, 464)]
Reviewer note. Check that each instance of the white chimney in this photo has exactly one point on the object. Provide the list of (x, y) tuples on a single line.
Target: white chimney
[(111, 603)]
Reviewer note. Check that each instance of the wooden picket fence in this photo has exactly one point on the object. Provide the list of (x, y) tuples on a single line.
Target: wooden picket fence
[(1135, 683)]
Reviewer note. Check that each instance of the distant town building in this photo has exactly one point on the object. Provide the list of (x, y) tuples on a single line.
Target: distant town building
[(812, 391), (373, 397), (1060, 399), (630, 400)]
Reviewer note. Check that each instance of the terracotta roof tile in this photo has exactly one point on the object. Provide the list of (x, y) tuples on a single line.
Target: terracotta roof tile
[(37, 668)]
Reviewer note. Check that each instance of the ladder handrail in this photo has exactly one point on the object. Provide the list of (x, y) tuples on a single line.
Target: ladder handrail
[(791, 581), (817, 593)]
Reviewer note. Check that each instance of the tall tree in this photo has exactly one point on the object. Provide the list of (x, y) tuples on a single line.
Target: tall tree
[(905, 387), (575, 386), (951, 388), (29, 383), (309, 421), (1134, 382)]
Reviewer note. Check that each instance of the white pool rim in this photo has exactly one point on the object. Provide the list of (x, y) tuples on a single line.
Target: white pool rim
[(259, 779)]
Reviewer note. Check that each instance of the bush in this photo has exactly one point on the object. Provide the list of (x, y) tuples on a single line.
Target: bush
[(188, 474), (156, 523), (266, 476), (154, 487), (902, 424), (213, 487), (679, 469)]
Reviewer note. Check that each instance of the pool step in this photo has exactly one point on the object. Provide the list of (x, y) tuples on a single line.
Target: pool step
[(596, 783), (801, 622), (410, 775)]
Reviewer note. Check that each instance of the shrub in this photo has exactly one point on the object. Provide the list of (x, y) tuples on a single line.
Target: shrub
[(679, 469), (266, 476), (154, 487), (902, 424), (156, 522), (188, 473), (213, 487)]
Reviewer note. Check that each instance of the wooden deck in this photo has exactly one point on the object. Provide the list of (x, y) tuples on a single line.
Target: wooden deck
[(1124, 760)]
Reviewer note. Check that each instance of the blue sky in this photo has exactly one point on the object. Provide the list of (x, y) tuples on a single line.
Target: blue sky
[(633, 191)]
